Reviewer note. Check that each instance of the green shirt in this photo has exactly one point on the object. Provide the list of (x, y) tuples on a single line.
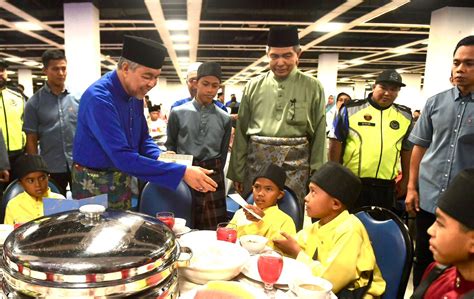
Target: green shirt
[(272, 107)]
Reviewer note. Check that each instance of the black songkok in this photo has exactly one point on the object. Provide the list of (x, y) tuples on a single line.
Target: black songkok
[(274, 173), (143, 51), (26, 164), (283, 36), (209, 69), (457, 201), (339, 182)]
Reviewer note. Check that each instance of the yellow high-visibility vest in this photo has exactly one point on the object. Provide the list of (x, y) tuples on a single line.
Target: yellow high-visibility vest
[(374, 141), (11, 119)]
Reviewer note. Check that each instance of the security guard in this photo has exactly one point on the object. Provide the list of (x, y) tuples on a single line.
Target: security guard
[(11, 117), (370, 136)]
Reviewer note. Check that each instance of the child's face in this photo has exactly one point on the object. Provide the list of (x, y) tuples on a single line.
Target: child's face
[(449, 243), (35, 183), (319, 204), (266, 193), (207, 88), (154, 115)]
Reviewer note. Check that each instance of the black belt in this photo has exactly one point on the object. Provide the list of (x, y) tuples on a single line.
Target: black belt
[(378, 182)]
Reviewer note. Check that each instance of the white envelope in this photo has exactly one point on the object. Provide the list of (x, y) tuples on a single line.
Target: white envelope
[(241, 202)]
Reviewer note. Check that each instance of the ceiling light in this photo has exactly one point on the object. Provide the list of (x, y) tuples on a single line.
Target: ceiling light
[(357, 61), (329, 27), (30, 63), (27, 26), (400, 71), (175, 25), (368, 75), (344, 79), (180, 37), (13, 59), (10, 72), (342, 66), (401, 50), (39, 83), (181, 47)]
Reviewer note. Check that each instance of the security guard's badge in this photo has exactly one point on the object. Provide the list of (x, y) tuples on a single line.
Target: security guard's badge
[(367, 117), (394, 125)]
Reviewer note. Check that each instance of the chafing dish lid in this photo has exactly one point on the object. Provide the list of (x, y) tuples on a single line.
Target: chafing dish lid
[(91, 240)]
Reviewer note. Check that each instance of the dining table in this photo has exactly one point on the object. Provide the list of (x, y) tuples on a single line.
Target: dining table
[(188, 289)]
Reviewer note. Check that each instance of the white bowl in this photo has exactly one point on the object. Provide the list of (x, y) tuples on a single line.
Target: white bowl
[(179, 225), (311, 287), (5, 230), (253, 243), (216, 260)]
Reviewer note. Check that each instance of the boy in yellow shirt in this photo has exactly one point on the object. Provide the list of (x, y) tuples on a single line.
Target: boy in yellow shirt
[(268, 188), (337, 247), (32, 172)]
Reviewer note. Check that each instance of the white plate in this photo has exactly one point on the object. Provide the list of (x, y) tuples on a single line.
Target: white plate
[(198, 237), (184, 230), (290, 267)]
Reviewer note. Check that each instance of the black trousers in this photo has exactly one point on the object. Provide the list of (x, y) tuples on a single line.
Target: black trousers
[(375, 192), (423, 255), (61, 180)]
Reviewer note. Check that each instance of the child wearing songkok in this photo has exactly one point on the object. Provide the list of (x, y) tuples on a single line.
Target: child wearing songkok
[(337, 247), (452, 243), (200, 129), (268, 187), (32, 173)]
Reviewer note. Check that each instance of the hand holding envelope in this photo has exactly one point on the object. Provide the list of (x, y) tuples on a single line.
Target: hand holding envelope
[(241, 202)]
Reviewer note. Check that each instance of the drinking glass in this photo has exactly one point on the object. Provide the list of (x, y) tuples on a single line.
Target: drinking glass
[(167, 218), (227, 232), (270, 265)]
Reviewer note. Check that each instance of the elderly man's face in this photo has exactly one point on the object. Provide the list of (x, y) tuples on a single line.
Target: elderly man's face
[(190, 81), (139, 81), (282, 61), (384, 94)]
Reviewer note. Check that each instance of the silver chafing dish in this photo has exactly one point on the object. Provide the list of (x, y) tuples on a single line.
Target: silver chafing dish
[(92, 253)]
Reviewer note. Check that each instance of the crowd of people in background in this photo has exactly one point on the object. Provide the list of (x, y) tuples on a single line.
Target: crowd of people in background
[(280, 134)]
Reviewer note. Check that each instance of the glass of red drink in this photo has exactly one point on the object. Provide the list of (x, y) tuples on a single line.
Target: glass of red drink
[(227, 232), (270, 265), (167, 218)]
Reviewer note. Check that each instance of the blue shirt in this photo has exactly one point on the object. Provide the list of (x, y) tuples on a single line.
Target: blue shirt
[(446, 129), (201, 131), (184, 101), (112, 133), (53, 119)]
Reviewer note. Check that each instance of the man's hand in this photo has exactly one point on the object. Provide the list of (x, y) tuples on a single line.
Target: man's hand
[(239, 187), (401, 188), (412, 201), (288, 245), (196, 178), (4, 176), (256, 210)]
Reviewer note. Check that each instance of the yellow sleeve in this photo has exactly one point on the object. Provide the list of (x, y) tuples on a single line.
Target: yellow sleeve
[(303, 237), (340, 266)]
